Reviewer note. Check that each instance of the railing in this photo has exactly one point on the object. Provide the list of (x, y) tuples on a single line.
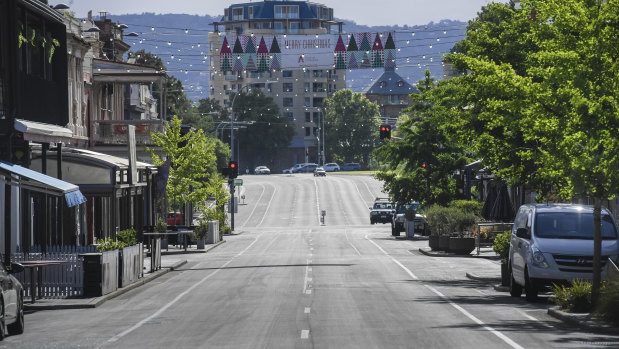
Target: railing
[(55, 281)]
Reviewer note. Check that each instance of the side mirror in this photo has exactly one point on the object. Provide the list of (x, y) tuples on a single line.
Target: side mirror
[(523, 233), (16, 268)]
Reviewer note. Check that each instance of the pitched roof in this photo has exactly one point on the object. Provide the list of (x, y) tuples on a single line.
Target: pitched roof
[(390, 83)]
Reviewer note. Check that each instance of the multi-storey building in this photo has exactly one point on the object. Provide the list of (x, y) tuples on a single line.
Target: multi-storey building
[(392, 94), (298, 93)]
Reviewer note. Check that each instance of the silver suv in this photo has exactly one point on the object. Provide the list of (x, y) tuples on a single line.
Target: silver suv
[(553, 243), (398, 220)]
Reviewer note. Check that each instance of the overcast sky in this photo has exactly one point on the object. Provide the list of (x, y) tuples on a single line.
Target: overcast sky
[(367, 12)]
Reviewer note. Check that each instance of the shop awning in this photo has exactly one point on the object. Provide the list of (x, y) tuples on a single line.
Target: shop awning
[(36, 181)]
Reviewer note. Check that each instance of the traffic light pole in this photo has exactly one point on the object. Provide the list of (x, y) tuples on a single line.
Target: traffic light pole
[(231, 182)]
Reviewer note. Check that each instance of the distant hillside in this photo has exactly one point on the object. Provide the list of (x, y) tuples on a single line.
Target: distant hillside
[(182, 42)]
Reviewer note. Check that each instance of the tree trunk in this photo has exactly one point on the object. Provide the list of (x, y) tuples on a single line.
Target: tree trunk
[(597, 248)]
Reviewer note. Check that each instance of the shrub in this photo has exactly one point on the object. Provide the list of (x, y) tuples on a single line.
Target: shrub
[(108, 244), (201, 230), (576, 298), (410, 214), (608, 302), (436, 217), (161, 226), (468, 206), (127, 237), (501, 246), (446, 220)]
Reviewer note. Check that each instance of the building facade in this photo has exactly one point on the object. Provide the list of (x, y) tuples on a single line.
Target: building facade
[(392, 94), (298, 93)]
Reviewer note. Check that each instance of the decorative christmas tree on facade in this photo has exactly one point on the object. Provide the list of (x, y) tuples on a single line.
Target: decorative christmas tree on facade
[(365, 49), (353, 53), (250, 52), (225, 56), (263, 56), (340, 54), (275, 55), (237, 54), (390, 52), (377, 53)]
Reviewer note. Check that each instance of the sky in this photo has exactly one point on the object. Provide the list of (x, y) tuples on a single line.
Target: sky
[(395, 12)]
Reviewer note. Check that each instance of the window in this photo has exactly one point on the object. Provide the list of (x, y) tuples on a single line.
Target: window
[(294, 28), (290, 116), (287, 73), (308, 102), (287, 102), (318, 102), (251, 12), (308, 131), (318, 87), (319, 74), (306, 74), (279, 27), (287, 87), (286, 11), (308, 116), (307, 87), (317, 115), (237, 13)]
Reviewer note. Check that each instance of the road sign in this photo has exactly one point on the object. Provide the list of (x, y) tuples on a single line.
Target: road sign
[(238, 182)]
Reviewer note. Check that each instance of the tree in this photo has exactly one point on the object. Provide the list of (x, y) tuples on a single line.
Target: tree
[(553, 105), (193, 169), (422, 159), (351, 124), (266, 131), (176, 102)]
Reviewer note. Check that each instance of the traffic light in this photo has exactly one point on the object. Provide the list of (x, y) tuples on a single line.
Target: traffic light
[(307, 153), (233, 169), (385, 131)]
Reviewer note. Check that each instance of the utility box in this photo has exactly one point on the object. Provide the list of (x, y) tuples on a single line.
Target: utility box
[(213, 232)]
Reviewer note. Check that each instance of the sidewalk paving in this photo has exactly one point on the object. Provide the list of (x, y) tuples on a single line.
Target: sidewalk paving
[(172, 259)]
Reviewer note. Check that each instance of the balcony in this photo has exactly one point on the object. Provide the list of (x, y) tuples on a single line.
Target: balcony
[(115, 131), (233, 77)]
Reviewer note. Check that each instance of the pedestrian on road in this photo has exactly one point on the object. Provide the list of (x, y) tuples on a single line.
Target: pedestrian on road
[(246, 170)]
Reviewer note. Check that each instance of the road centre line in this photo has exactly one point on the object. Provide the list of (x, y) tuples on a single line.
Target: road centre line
[(307, 310), (450, 302), (255, 205), (268, 206), (178, 297), (304, 334), (317, 201), (503, 337), (350, 243)]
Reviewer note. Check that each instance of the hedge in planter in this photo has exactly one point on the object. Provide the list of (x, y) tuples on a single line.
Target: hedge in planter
[(501, 247)]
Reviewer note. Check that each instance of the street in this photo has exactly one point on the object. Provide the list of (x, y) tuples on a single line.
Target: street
[(286, 281)]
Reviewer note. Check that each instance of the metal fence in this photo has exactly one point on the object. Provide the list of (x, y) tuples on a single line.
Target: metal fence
[(55, 281)]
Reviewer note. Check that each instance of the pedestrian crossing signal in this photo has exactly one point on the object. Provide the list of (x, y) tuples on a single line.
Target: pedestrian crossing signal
[(385, 131)]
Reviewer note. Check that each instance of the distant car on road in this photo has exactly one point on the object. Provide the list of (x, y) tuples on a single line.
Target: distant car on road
[(381, 211), (319, 171), (172, 221), (12, 310), (292, 169), (262, 170), (398, 220), (331, 167), (306, 168), (351, 166)]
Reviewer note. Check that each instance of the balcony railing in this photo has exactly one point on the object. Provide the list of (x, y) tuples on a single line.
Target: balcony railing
[(115, 131)]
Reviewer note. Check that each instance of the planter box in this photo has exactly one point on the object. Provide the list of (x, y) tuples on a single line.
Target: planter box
[(463, 246), (443, 243), (433, 242), (100, 273), (504, 275), (200, 244), (130, 265)]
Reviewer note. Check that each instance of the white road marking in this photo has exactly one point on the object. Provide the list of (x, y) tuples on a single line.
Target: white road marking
[(410, 273), (178, 297), (308, 292), (307, 310), (350, 243), (317, 202), (309, 269), (255, 205), (503, 337), (304, 334), (268, 206)]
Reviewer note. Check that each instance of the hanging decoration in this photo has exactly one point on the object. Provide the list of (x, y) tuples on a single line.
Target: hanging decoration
[(340, 51)]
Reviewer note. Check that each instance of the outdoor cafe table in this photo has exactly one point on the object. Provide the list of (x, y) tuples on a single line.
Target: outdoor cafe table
[(183, 232), (37, 265)]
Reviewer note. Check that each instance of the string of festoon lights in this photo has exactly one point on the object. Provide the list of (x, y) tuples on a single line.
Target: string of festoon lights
[(179, 50)]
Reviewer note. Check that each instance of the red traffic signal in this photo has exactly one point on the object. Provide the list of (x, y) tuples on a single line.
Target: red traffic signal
[(233, 169), (423, 165), (385, 131)]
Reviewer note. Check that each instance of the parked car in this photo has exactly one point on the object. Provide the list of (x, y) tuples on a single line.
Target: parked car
[(12, 310), (553, 244), (262, 170), (319, 171), (381, 211), (331, 167), (293, 168), (172, 221), (351, 166), (398, 220), (306, 168)]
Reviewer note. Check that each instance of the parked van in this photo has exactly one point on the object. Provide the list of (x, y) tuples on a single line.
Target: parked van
[(553, 243)]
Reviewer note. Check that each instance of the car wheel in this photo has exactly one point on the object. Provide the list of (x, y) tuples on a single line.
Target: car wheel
[(530, 291), (515, 290), (18, 326)]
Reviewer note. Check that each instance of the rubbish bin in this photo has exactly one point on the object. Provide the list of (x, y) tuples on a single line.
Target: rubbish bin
[(409, 228)]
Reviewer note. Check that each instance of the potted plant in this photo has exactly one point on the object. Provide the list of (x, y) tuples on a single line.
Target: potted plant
[(161, 227), (409, 221), (501, 247), (436, 218), (201, 233)]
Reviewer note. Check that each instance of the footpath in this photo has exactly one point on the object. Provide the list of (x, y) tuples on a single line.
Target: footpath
[(171, 259)]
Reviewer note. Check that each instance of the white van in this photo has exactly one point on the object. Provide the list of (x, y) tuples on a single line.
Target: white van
[(553, 243)]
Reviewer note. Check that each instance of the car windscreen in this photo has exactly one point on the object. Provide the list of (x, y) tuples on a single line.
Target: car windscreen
[(383, 205), (403, 208), (571, 225)]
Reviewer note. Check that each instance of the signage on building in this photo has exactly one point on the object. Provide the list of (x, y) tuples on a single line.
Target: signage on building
[(328, 51)]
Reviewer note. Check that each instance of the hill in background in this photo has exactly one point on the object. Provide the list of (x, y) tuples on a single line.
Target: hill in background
[(182, 43)]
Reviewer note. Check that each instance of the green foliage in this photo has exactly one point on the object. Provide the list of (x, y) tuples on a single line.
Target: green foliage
[(410, 214), (201, 231), (161, 226), (501, 246), (421, 163), (108, 244), (469, 206), (351, 125), (576, 298), (446, 220), (608, 304), (127, 237)]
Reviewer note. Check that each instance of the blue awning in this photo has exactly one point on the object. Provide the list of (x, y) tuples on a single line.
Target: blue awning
[(36, 181)]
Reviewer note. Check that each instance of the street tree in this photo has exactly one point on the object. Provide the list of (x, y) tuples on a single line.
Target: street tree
[(351, 127), (421, 160), (193, 173), (176, 101), (265, 133), (546, 115)]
